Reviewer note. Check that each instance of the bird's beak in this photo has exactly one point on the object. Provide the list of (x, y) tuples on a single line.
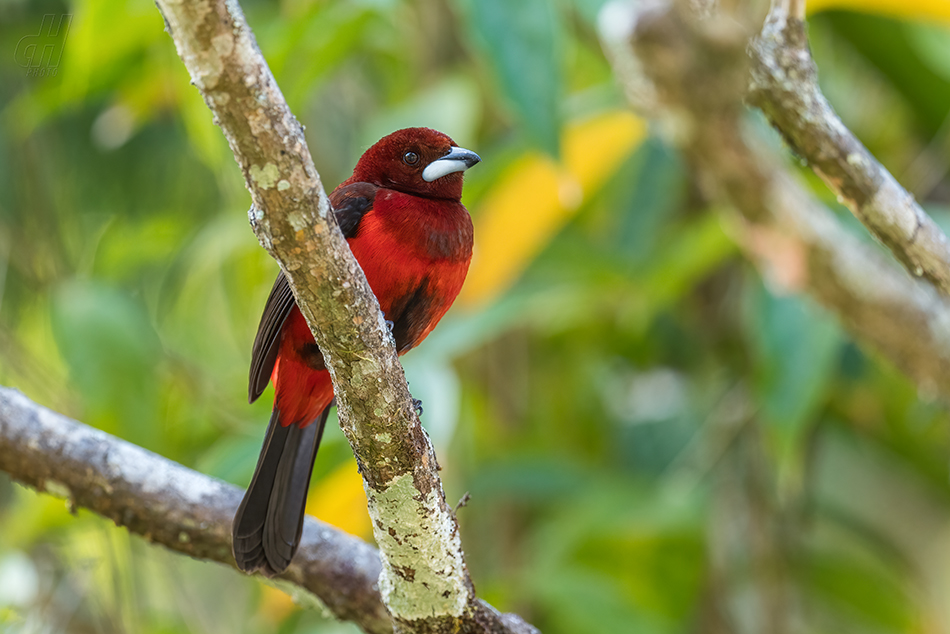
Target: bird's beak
[(457, 160)]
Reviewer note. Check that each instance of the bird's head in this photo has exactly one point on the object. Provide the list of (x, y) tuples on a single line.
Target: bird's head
[(417, 161)]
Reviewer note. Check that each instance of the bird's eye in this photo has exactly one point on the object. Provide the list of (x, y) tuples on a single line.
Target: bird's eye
[(410, 158)]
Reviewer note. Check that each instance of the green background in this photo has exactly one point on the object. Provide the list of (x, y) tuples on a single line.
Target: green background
[(653, 440)]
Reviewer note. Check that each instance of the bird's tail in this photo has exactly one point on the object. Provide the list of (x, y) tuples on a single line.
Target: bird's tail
[(267, 526)]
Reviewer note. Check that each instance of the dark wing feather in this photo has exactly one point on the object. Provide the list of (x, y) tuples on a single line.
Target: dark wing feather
[(266, 529), (267, 342), (350, 204), (288, 498), (411, 318)]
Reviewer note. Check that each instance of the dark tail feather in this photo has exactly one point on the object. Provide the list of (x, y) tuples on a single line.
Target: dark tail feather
[(267, 526)]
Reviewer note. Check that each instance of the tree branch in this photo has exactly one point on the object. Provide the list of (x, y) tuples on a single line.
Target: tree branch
[(698, 70), (174, 506), (187, 511), (424, 581), (785, 87)]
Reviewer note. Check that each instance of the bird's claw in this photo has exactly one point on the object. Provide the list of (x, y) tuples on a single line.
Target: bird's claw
[(417, 405), (390, 324)]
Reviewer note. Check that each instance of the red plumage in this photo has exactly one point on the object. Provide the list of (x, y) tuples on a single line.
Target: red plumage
[(402, 216)]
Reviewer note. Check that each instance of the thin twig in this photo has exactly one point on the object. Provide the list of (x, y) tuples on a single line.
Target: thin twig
[(785, 87), (699, 71)]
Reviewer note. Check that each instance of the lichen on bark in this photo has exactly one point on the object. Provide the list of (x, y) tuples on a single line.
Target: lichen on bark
[(424, 565)]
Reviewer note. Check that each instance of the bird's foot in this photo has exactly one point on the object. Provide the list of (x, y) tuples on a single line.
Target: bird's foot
[(390, 324), (417, 405)]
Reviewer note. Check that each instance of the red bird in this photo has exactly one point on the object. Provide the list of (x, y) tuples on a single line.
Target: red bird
[(402, 215)]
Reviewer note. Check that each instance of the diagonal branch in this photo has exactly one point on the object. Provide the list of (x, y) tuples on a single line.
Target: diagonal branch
[(785, 87), (698, 72), (424, 580), (187, 511)]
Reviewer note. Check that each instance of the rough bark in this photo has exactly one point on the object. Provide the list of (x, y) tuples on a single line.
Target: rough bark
[(696, 75), (189, 512), (785, 87), (424, 581), (174, 506)]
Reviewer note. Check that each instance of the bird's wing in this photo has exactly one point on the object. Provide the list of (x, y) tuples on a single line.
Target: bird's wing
[(267, 342), (350, 204), (412, 318)]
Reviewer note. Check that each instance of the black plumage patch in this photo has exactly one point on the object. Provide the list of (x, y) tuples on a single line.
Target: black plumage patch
[(350, 204), (411, 318), (267, 342), (267, 526), (312, 356)]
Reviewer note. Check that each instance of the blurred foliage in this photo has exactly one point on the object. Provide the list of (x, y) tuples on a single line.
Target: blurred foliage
[(653, 440)]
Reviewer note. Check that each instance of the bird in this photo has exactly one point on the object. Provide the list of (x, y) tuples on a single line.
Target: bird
[(402, 216)]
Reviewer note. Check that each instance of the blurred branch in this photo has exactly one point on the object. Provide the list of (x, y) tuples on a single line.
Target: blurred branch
[(698, 71), (174, 506), (785, 87), (794, 9), (187, 511)]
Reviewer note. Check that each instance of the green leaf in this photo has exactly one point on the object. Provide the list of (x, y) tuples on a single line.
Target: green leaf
[(232, 458), (654, 189), (588, 9), (925, 90), (795, 348), (633, 566), (859, 591), (522, 41), (932, 43), (108, 342), (687, 257), (451, 106)]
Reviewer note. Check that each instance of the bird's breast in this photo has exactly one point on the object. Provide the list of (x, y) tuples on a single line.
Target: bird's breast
[(407, 245)]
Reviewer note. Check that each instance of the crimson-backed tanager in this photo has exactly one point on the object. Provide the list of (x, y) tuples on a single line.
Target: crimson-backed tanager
[(402, 216)]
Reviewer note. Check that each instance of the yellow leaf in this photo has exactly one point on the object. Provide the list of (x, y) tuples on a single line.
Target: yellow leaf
[(276, 605), (932, 10), (339, 499), (536, 197)]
